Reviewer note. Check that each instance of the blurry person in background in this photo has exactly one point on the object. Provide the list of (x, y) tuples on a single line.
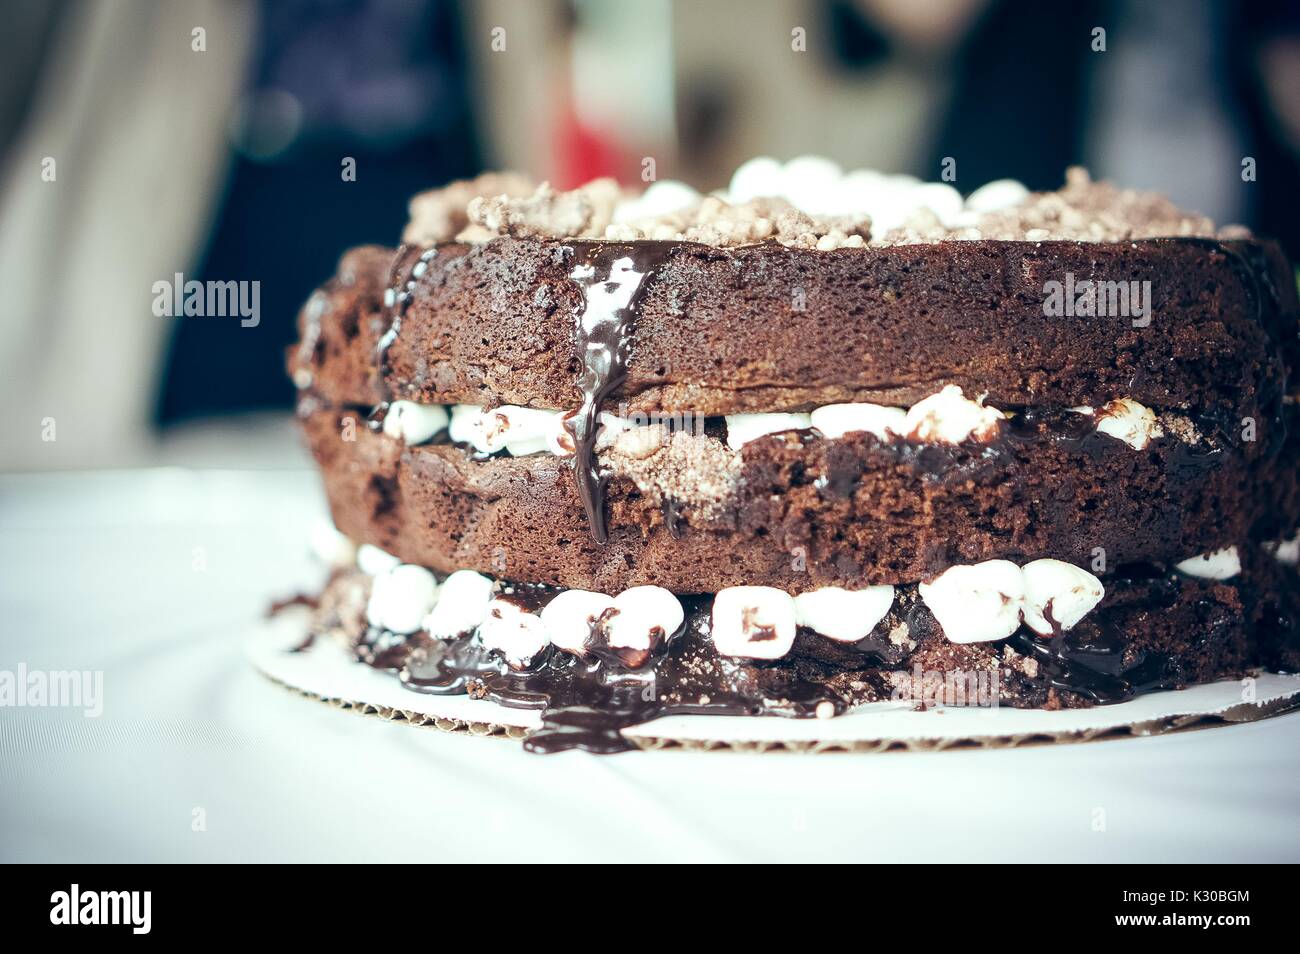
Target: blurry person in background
[(230, 162), (1170, 95), (216, 140), (349, 109), (113, 157)]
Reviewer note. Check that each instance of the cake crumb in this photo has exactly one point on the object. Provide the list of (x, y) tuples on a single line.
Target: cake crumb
[(584, 212), (1081, 210), (440, 215), (692, 470), (1182, 428), (496, 204)]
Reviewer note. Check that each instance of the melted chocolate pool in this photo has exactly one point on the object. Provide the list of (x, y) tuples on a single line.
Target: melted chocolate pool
[(586, 703)]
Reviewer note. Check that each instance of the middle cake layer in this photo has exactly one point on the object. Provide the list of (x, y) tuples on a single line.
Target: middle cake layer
[(798, 510)]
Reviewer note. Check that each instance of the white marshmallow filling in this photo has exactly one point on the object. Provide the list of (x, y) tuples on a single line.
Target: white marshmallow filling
[(1217, 565), (981, 602), (1126, 420), (945, 417), (978, 603), (989, 601)]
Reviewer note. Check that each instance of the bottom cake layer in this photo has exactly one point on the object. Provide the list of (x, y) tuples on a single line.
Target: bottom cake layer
[(1153, 630)]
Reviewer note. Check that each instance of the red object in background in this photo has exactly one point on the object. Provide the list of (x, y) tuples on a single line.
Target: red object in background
[(583, 153)]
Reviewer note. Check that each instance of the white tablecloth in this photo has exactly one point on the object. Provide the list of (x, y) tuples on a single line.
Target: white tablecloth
[(153, 577)]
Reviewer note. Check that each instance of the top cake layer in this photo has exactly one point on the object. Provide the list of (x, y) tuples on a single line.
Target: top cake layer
[(766, 328), (799, 286)]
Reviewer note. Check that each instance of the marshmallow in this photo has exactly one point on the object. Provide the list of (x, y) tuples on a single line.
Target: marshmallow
[(760, 177), (979, 603), (373, 561), (517, 430), (414, 423), (660, 198), (1067, 591), (818, 186), (1286, 551), (462, 604), (559, 441), (522, 430), (331, 547), (950, 418), (569, 618), (401, 598), (812, 183), (836, 420), (843, 615), (895, 204), (1220, 565), (940, 198), (645, 617), (892, 207), (757, 622), (519, 636), (531, 431), (996, 195), (861, 191), (743, 428), (638, 619), (466, 427), (1130, 422)]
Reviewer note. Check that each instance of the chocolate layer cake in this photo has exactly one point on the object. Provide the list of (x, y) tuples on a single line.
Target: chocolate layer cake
[(814, 441)]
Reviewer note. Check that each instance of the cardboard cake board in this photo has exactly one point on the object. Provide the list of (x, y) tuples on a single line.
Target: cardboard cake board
[(326, 672)]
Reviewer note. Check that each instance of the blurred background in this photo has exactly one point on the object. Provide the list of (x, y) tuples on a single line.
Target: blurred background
[(141, 139)]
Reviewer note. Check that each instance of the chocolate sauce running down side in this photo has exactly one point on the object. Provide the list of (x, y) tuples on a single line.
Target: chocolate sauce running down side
[(586, 703), (613, 279), (409, 265)]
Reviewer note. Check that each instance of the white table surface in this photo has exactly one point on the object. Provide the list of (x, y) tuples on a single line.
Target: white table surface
[(152, 576)]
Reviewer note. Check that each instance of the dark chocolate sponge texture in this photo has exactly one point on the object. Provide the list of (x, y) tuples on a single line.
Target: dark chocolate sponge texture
[(769, 328), (807, 511)]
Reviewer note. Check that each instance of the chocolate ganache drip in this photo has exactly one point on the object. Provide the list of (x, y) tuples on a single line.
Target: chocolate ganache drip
[(613, 278), (585, 703), (409, 264)]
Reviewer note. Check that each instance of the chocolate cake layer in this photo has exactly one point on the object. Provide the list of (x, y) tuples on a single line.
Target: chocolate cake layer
[(1152, 631), (768, 328), (807, 511)]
